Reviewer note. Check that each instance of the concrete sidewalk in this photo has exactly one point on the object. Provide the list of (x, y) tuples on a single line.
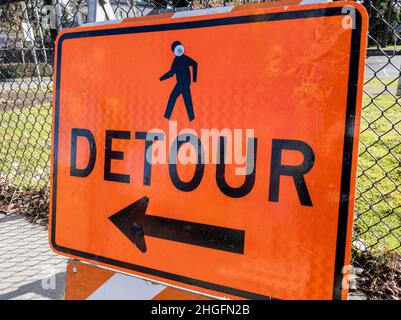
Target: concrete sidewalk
[(28, 267)]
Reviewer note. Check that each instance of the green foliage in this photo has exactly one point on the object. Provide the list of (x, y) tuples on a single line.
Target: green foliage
[(22, 70), (383, 16)]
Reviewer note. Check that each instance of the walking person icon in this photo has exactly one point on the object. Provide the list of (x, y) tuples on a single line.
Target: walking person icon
[(180, 68)]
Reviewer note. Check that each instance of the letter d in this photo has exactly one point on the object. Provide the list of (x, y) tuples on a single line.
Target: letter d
[(74, 171)]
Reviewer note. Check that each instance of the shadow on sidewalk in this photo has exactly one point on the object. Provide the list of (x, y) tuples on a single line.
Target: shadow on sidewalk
[(37, 288)]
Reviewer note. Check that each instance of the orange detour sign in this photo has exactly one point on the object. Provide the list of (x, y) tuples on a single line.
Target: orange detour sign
[(215, 152)]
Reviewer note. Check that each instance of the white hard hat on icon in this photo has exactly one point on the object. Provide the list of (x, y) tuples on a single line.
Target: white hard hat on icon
[(178, 48)]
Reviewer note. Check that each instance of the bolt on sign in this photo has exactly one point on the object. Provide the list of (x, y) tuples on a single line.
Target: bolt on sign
[(215, 152)]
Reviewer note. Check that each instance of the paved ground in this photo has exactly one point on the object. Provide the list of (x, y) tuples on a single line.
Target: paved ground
[(383, 66), (28, 267), (26, 83)]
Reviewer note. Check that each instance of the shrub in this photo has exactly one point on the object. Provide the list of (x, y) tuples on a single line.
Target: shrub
[(21, 70)]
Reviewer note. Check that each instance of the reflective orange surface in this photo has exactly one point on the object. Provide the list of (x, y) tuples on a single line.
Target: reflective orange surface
[(286, 77)]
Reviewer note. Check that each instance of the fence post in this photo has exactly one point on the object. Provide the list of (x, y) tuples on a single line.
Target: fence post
[(92, 6), (24, 8)]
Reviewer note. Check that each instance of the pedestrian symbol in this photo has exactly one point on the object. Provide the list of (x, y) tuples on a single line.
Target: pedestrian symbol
[(180, 67)]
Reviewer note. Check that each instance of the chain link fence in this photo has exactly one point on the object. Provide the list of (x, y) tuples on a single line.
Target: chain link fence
[(378, 198), (27, 33)]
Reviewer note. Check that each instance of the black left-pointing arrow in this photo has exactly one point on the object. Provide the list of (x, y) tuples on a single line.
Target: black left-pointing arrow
[(134, 223)]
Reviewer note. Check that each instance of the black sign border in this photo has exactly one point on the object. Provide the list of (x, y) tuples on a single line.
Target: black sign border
[(347, 148)]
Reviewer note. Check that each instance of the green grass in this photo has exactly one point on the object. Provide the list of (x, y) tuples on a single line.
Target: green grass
[(374, 87), (378, 204), (25, 146)]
